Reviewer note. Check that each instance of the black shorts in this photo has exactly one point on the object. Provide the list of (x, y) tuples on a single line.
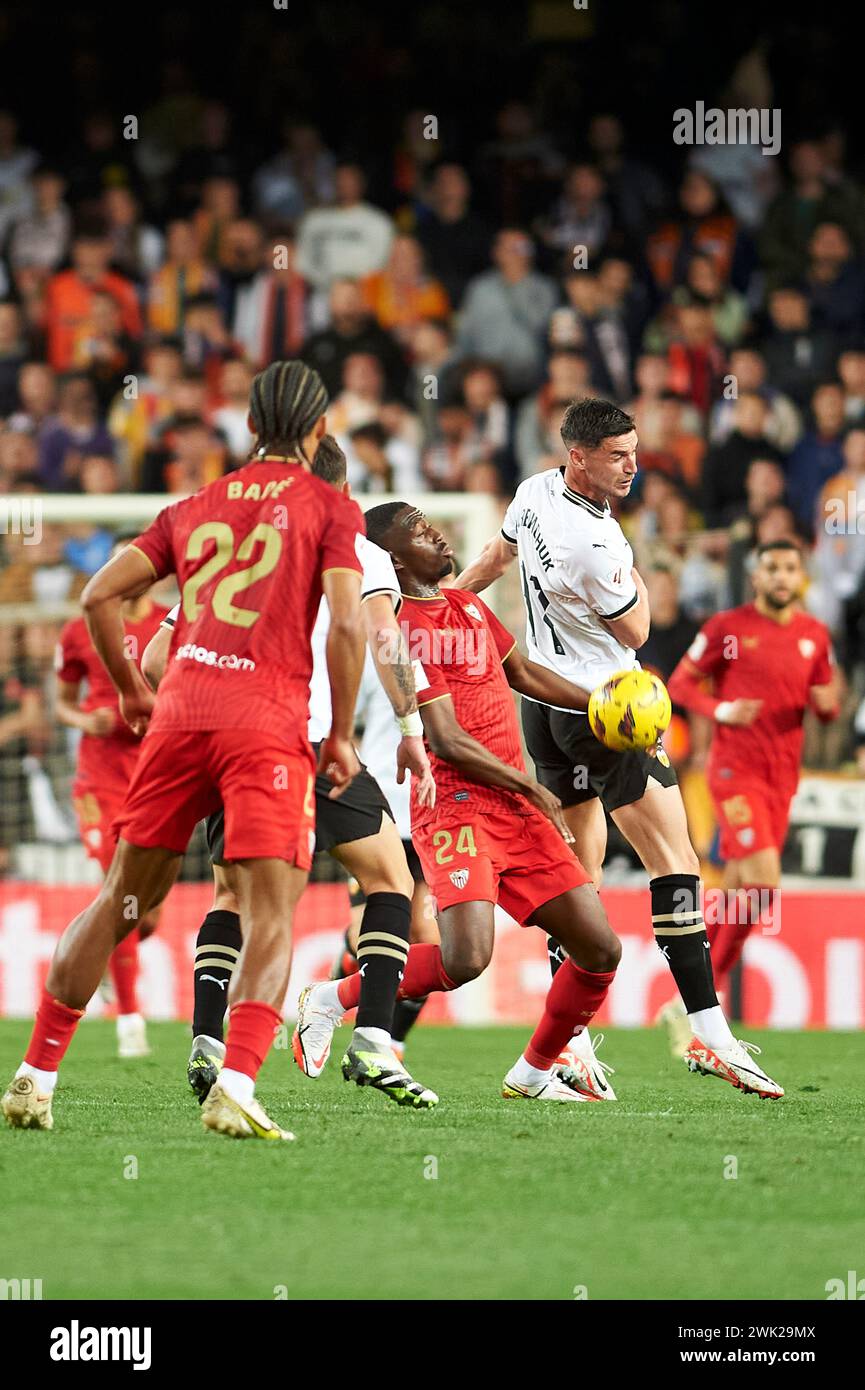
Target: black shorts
[(573, 764), (353, 816)]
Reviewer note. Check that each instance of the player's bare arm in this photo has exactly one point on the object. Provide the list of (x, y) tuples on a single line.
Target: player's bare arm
[(687, 687), (96, 722), (155, 657), (126, 575), (490, 565), (632, 629), (539, 683), (449, 741), (826, 699), (392, 663), (345, 655)]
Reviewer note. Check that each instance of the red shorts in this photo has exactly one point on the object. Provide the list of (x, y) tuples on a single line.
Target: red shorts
[(265, 786), (98, 796), (751, 816), (520, 862)]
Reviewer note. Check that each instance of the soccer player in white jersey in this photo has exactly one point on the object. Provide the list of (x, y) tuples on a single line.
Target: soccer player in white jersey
[(587, 614), (357, 828)]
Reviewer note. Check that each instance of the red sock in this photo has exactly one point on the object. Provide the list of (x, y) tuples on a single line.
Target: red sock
[(423, 974), (123, 965), (251, 1028), (729, 936), (574, 998), (52, 1033)]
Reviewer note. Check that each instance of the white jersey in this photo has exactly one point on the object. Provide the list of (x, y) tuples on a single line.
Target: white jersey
[(575, 569), (381, 738), (379, 577)]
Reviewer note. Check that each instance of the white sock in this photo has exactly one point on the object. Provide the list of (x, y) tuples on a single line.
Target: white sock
[(374, 1035), (528, 1075), (237, 1085), (711, 1027), (326, 997), (128, 1019), (45, 1080)]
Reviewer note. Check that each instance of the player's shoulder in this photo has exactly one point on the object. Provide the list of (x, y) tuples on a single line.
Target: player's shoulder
[(74, 633), (812, 626), (537, 486)]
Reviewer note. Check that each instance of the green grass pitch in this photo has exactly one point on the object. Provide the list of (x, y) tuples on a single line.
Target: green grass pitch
[(627, 1200)]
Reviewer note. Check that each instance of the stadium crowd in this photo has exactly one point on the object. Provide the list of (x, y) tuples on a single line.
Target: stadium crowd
[(453, 313)]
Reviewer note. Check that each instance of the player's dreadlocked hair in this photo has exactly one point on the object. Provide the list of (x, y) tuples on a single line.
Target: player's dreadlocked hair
[(329, 462), (380, 519), (285, 401)]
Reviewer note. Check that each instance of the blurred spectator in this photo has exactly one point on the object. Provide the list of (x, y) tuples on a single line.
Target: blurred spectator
[(270, 311), (219, 209), (349, 240), (87, 547), (835, 281), (414, 155), (580, 219), (190, 454), (353, 330), (652, 373), (586, 325), (747, 373), (184, 275), (725, 468), (40, 573), (231, 416), (490, 416), (518, 166), (104, 351), (214, 154), (22, 713), (136, 247), (299, 176), (703, 224), (379, 461), (99, 158), (74, 431), (672, 449), (402, 295), (696, 357), (624, 297), (635, 192), (456, 240), (447, 461), (432, 378), (206, 341), (19, 460), (851, 371), (37, 394), (839, 551), (796, 354), (134, 415), (41, 237), (704, 286), (534, 440), (818, 456), (793, 215), (69, 295), (12, 357), (765, 487), (505, 313), (243, 250), (672, 630), (16, 166)]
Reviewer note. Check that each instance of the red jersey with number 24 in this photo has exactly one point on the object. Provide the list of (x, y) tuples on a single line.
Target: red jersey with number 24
[(457, 646), (249, 552)]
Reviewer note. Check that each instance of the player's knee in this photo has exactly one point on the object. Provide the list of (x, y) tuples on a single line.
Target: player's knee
[(465, 963), (600, 956)]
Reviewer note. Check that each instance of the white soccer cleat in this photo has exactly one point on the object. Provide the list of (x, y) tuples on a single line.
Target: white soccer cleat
[(24, 1107), (313, 1033), (132, 1036), (587, 1073), (556, 1087), (225, 1115), (734, 1063), (679, 1032)]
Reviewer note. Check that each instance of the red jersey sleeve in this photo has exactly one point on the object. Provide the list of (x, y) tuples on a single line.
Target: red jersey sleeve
[(824, 660), (505, 641), (69, 663), (156, 544), (707, 652), (339, 537)]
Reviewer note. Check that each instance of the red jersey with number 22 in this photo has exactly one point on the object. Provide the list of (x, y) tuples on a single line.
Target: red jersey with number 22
[(457, 646), (249, 552)]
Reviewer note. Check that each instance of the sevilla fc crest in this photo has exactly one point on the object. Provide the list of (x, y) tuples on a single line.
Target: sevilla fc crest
[(475, 612), (807, 647), (746, 836), (459, 878)]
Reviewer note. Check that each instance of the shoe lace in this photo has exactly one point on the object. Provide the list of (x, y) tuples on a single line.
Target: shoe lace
[(596, 1043), (750, 1047)]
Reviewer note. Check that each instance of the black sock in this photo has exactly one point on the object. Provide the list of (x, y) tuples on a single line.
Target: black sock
[(556, 955), (382, 951), (405, 1015), (339, 968), (216, 950), (677, 921)]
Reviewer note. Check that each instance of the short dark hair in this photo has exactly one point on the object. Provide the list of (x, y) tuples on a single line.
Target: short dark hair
[(590, 421), (780, 545), (380, 519), (329, 462)]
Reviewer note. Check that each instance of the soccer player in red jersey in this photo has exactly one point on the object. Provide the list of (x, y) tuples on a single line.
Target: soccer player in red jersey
[(107, 754), (767, 662), (495, 834), (252, 553)]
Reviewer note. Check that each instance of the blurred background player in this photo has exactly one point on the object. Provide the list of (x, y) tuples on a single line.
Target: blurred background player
[(495, 835), (228, 729), (357, 829), (754, 671), (587, 611), (107, 754)]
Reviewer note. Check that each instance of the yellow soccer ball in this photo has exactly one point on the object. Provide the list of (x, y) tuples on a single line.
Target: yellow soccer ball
[(630, 710)]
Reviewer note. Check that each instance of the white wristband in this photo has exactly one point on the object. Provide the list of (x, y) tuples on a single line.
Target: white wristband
[(410, 725), (723, 710)]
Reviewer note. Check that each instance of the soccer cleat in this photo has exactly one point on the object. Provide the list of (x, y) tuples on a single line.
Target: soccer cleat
[(587, 1073), (132, 1036), (369, 1065), (313, 1033), (204, 1065), (560, 1086), (735, 1064), (24, 1107), (221, 1113), (675, 1019)]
